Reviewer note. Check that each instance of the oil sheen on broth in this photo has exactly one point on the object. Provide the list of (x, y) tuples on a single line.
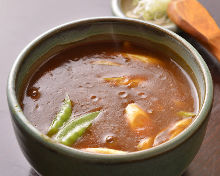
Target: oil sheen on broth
[(145, 98)]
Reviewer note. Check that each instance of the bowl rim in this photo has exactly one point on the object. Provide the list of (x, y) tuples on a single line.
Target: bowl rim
[(117, 11), (20, 118)]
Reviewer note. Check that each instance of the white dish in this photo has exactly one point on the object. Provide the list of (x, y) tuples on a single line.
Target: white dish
[(117, 11)]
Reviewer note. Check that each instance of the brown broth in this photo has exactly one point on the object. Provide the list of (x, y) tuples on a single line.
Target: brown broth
[(167, 89)]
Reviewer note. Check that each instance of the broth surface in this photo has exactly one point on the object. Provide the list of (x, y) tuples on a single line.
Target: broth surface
[(165, 91)]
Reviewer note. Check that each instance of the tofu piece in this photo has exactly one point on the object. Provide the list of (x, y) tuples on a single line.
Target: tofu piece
[(103, 151), (137, 117), (145, 143)]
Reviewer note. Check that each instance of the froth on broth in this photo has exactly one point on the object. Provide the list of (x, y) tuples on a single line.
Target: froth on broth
[(135, 97)]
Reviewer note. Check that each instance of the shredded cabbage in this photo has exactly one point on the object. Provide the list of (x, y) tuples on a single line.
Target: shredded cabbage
[(150, 10)]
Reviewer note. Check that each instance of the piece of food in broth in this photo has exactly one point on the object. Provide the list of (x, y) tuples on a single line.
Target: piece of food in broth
[(145, 59), (75, 128), (105, 62), (180, 126), (137, 117), (172, 131), (62, 116), (145, 143), (186, 114), (127, 81), (104, 151)]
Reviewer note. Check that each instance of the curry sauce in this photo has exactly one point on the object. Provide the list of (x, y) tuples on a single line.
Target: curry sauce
[(140, 95)]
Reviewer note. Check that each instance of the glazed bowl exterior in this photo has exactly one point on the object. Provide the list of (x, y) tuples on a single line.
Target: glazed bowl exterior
[(49, 158)]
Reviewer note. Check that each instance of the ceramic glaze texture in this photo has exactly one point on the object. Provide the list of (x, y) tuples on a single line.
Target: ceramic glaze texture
[(49, 158)]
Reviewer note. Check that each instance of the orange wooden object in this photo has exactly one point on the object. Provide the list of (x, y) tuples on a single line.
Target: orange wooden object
[(193, 18)]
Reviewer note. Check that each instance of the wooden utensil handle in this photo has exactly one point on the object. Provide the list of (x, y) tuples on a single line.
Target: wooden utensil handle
[(194, 19)]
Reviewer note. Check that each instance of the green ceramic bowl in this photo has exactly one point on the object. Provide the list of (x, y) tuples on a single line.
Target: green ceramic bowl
[(121, 6), (52, 159)]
